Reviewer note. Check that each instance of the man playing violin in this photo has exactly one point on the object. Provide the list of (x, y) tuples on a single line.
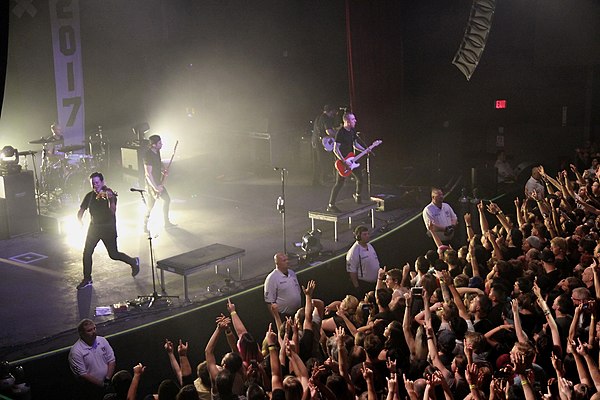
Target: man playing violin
[(155, 172), (101, 203)]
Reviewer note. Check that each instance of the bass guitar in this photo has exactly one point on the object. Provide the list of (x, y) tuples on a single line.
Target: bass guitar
[(346, 167), (328, 143)]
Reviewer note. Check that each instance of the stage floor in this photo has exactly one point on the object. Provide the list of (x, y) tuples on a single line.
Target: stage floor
[(41, 306)]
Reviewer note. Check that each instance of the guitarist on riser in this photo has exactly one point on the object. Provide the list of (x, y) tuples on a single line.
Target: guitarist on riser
[(155, 173), (346, 141)]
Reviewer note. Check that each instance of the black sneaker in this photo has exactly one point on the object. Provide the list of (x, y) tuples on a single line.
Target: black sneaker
[(135, 269), (84, 283), (333, 208), (357, 198)]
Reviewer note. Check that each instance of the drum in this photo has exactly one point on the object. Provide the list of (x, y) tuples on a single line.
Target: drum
[(80, 161), (52, 176), (76, 183), (88, 163)]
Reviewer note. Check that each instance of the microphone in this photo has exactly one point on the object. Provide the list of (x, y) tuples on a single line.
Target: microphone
[(136, 190)]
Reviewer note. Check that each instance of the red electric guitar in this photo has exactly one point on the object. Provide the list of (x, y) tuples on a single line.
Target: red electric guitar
[(345, 167)]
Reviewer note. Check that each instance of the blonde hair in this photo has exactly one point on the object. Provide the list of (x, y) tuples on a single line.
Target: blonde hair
[(349, 304)]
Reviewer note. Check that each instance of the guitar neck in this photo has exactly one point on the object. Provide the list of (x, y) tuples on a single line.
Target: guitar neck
[(365, 151)]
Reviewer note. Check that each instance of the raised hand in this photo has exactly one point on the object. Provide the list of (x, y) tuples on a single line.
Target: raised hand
[(339, 334), (408, 384), (168, 346), (467, 218), (471, 373), (391, 365), (514, 305), (392, 383), (519, 365), (182, 348), (367, 372), (230, 306), (139, 369), (310, 288), (480, 206), (447, 278), (270, 336)]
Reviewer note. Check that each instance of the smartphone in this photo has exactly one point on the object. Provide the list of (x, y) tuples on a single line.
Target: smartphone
[(416, 291)]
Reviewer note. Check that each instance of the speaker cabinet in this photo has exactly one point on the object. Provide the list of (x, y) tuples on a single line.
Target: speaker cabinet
[(132, 160), (476, 34), (18, 212)]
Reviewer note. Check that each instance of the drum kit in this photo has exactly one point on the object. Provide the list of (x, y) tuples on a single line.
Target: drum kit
[(65, 169)]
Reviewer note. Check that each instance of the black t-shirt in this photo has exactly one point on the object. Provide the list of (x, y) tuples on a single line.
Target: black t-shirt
[(100, 212), (547, 281), (153, 159), (278, 394), (511, 253), (346, 140)]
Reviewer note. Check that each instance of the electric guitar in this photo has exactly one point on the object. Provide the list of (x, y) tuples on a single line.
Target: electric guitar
[(346, 167), (165, 173), (328, 143)]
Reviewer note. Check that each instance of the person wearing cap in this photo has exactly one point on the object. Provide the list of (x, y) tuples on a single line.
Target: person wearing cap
[(551, 275), (323, 132), (532, 242)]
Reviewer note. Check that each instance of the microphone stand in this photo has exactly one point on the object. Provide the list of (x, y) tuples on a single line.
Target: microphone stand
[(368, 164), (154, 296), (281, 205)]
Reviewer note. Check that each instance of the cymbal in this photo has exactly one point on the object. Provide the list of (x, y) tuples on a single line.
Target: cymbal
[(45, 140), (28, 152), (74, 147)]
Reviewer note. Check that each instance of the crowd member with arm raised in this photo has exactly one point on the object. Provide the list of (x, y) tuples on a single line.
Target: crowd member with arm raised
[(431, 344), (469, 226), (590, 375), (138, 370), (549, 318), (277, 392), (183, 369), (209, 352), (521, 335), (367, 374), (494, 209), (521, 219)]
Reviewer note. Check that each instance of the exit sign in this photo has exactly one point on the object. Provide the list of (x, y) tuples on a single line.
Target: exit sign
[(500, 104)]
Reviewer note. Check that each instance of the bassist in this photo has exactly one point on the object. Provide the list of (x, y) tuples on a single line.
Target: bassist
[(323, 132), (346, 141), (155, 176)]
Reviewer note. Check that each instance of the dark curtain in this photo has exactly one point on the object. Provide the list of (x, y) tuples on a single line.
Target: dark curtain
[(375, 74)]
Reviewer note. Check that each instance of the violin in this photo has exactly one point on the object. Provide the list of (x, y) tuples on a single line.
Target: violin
[(106, 193)]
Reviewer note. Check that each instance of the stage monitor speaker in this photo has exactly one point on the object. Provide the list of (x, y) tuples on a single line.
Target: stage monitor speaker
[(18, 212), (386, 202), (476, 34)]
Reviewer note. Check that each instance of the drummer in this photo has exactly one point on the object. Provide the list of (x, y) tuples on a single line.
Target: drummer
[(55, 141)]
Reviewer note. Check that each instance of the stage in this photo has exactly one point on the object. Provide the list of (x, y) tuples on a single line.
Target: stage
[(41, 305)]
